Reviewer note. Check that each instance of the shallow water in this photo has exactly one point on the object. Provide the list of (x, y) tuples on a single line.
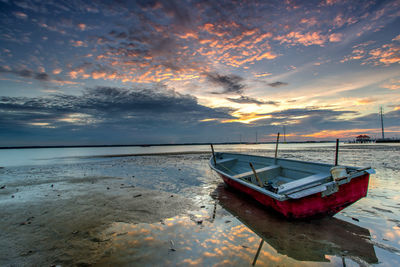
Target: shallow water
[(46, 156), (225, 228)]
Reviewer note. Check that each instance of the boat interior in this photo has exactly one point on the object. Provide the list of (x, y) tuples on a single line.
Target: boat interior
[(277, 175)]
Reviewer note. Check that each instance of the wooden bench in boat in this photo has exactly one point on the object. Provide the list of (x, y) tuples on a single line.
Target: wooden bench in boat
[(224, 161), (260, 171), (299, 184)]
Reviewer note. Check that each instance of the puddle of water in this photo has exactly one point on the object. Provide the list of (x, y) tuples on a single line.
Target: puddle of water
[(230, 234)]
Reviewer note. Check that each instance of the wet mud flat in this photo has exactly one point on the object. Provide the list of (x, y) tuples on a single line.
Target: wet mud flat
[(56, 214), (172, 210)]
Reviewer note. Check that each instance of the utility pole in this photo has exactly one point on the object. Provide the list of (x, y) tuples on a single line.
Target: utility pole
[(383, 132), (256, 138), (284, 134)]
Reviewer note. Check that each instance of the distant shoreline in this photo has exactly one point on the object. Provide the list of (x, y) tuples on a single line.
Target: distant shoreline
[(148, 145)]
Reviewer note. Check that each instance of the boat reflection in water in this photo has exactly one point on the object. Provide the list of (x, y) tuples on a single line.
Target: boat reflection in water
[(301, 240)]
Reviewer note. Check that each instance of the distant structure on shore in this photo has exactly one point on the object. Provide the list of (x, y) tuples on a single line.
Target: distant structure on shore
[(362, 138)]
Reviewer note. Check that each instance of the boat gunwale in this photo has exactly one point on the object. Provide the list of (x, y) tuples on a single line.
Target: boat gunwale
[(283, 197)]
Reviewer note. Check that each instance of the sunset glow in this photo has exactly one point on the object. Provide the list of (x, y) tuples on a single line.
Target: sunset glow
[(193, 71)]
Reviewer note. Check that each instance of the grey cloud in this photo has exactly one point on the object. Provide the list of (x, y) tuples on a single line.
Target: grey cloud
[(106, 115), (277, 84), (312, 111), (26, 73), (42, 76), (111, 104), (176, 9), (121, 35), (142, 43), (314, 119), (179, 12), (23, 73), (250, 100), (163, 46), (230, 83)]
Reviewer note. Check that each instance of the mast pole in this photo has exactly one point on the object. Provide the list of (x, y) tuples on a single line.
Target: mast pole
[(337, 152)]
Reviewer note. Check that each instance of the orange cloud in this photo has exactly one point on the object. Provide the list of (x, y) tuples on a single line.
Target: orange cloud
[(357, 54), (78, 43), (340, 133), (392, 85), (39, 123), (262, 37), (262, 75), (78, 73), (339, 21), (250, 32), (310, 38), (211, 29), (103, 75), (331, 2), (335, 37), (57, 71), (20, 15), (364, 101), (62, 82), (82, 26), (387, 54), (189, 35), (267, 55), (309, 21), (247, 118)]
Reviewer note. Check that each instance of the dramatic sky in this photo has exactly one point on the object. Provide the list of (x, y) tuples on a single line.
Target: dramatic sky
[(120, 72)]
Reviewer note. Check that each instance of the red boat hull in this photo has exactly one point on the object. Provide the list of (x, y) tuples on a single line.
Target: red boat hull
[(313, 205)]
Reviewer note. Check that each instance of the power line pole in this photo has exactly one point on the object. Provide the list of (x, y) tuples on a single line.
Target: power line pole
[(284, 134), (383, 132)]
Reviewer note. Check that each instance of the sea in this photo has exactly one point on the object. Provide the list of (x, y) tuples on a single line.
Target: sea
[(228, 228)]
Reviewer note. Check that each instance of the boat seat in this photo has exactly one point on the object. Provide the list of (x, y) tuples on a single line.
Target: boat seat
[(258, 171), (299, 184), (222, 161)]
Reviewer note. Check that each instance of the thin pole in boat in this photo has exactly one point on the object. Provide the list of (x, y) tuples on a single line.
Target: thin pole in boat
[(213, 154), (255, 174), (276, 148), (337, 152)]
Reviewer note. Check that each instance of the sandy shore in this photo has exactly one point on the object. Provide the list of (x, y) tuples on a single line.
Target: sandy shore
[(66, 231), (59, 221)]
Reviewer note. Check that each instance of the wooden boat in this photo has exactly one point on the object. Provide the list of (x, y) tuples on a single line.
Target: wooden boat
[(296, 189)]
